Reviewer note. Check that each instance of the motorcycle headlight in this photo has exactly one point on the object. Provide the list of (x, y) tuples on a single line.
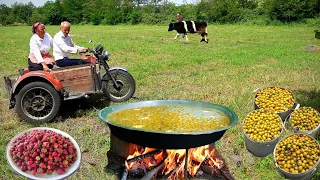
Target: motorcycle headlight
[(106, 55)]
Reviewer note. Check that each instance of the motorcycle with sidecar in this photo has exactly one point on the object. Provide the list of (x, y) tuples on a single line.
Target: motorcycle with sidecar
[(38, 95)]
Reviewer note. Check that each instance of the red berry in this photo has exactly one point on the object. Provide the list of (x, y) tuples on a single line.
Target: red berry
[(34, 155), (50, 166), (34, 165), (45, 144), (29, 163), (54, 154), (60, 171), (24, 168), (56, 145), (59, 150), (42, 165), (19, 163)]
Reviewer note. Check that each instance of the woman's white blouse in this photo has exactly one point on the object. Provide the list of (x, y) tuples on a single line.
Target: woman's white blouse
[(39, 46)]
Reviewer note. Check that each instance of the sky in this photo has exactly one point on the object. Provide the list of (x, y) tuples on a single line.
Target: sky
[(41, 2)]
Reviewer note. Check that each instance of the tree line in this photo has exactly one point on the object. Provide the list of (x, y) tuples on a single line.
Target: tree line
[(111, 12)]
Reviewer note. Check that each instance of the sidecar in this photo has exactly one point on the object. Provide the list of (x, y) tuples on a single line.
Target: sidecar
[(37, 95)]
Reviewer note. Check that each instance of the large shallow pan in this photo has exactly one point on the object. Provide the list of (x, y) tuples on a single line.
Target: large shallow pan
[(168, 140)]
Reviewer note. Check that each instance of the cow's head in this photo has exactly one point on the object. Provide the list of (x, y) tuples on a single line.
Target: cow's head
[(171, 27)]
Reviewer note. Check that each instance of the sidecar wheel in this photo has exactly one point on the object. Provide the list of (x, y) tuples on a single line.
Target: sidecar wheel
[(38, 102), (126, 83)]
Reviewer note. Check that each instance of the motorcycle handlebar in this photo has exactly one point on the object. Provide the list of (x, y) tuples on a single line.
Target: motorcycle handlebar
[(90, 50)]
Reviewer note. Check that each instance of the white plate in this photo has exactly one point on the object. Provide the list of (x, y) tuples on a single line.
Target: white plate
[(69, 171)]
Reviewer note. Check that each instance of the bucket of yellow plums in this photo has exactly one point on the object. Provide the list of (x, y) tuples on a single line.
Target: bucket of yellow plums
[(305, 120), (275, 99), (297, 156), (262, 129)]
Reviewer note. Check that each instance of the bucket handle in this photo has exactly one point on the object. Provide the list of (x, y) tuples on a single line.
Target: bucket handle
[(284, 125), (287, 118), (256, 90)]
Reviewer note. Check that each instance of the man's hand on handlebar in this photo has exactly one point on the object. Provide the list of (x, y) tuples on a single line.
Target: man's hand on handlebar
[(82, 50)]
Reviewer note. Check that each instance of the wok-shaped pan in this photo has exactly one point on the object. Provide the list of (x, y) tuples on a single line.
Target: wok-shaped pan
[(168, 140)]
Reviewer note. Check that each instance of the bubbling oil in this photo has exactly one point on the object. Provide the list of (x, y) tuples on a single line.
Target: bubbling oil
[(171, 118)]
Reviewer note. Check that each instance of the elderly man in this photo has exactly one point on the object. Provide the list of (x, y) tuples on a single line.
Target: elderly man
[(63, 45)]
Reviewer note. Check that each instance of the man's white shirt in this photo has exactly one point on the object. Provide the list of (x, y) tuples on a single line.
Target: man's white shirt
[(62, 46)]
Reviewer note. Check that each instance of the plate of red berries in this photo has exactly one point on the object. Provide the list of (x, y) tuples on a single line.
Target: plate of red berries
[(43, 153)]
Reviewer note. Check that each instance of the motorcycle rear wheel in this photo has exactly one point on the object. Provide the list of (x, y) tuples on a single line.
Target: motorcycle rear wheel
[(126, 83), (38, 102)]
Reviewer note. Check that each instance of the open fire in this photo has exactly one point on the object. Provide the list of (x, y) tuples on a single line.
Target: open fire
[(150, 163)]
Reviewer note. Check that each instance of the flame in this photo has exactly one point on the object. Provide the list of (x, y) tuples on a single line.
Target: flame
[(140, 151), (174, 162)]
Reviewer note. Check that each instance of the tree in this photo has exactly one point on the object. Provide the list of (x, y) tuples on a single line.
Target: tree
[(291, 10), (53, 12), (73, 10), (22, 12)]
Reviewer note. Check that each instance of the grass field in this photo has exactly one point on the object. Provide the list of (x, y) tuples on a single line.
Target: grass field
[(237, 60)]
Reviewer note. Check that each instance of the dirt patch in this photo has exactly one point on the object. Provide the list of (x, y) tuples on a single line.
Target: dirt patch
[(88, 157), (312, 48)]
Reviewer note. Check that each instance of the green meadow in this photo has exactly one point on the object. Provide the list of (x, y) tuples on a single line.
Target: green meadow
[(237, 60)]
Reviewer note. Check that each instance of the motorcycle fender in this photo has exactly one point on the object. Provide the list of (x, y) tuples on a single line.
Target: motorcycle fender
[(118, 67), (56, 83), (106, 77)]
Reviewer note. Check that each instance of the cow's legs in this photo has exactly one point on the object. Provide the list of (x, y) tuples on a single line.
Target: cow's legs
[(176, 36), (205, 36), (186, 37), (194, 27), (185, 26)]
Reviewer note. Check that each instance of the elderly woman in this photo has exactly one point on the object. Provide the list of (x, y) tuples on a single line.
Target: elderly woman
[(40, 44)]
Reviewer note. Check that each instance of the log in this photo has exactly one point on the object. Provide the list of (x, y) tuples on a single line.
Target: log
[(143, 156), (154, 171), (213, 171), (209, 170), (176, 170), (124, 174)]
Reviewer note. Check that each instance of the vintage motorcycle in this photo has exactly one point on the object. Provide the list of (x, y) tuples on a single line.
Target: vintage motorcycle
[(38, 95)]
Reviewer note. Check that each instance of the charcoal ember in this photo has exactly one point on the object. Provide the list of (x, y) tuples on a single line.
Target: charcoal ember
[(138, 170)]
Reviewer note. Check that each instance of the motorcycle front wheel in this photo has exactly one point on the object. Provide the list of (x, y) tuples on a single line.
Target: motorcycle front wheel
[(126, 86)]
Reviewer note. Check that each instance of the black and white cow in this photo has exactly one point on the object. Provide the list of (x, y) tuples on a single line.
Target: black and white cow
[(185, 27)]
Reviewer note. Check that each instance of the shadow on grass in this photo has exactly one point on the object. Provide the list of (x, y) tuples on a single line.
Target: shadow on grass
[(78, 107), (115, 165), (308, 98)]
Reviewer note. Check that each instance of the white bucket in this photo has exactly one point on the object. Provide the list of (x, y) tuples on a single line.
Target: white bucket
[(283, 114), (312, 133), (299, 176), (261, 149)]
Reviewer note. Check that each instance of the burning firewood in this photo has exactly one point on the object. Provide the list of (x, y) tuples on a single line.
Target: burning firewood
[(143, 156), (176, 171), (150, 175)]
